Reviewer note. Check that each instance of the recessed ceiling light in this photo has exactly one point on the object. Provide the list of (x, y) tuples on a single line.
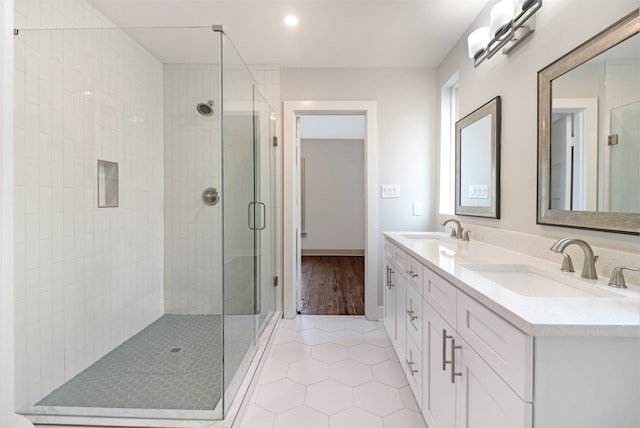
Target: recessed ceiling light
[(291, 20)]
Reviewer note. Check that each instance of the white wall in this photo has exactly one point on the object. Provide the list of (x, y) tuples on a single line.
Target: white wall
[(406, 129), (6, 218), (86, 279), (406, 152), (561, 25), (334, 194)]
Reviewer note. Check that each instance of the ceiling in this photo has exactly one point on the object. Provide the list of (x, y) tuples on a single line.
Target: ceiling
[(330, 33)]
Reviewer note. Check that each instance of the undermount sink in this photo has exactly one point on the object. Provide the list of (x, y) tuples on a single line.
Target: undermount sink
[(529, 281), (425, 235)]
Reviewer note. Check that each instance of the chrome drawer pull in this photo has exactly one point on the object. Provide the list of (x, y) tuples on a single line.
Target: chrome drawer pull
[(412, 274), (389, 281), (444, 349), (410, 367), (453, 361)]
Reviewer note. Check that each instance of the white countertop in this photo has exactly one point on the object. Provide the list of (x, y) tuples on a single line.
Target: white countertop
[(616, 314)]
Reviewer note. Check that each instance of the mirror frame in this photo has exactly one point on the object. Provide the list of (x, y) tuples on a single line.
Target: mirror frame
[(605, 221), (492, 108)]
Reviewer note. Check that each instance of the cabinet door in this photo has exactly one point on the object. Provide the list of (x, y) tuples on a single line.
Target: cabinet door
[(484, 400), (401, 317), (389, 301), (438, 392)]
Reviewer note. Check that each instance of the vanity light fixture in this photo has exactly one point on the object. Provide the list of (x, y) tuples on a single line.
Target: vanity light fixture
[(512, 21)]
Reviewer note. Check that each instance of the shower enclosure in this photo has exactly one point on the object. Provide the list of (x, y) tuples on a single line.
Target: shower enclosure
[(148, 302)]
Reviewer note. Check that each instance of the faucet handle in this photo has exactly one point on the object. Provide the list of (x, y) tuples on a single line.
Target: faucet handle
[(453, 232), (465, 235), (617, 278), (567, 264)]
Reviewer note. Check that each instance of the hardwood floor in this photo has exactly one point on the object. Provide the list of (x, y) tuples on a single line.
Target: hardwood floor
[(332, 285)]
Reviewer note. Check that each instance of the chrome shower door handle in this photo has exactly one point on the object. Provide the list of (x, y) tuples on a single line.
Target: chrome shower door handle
[(264, 215), (251, 215)]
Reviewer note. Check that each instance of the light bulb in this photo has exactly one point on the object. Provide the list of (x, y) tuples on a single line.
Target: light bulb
[(501, 16), (478, 40), (291, 20)]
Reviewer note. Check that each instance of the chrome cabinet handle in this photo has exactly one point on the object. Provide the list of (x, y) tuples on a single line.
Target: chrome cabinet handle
[(453, 361), (412, 274), (390, 281), (410, 367), (444, 349), (388, 277), (411, 313)]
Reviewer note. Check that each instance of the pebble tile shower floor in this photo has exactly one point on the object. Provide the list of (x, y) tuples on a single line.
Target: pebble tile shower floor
[(174, 363)]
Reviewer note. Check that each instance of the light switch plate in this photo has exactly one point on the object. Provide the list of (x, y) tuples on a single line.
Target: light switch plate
[(390, 191)]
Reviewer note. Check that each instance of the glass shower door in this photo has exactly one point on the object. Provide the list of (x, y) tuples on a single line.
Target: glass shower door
[(238, 199), (264, 128)]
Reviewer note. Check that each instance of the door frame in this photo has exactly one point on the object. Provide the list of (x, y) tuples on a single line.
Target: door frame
[(292, 109)]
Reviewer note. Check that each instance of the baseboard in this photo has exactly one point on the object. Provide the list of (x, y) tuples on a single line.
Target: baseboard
[(356, 253)]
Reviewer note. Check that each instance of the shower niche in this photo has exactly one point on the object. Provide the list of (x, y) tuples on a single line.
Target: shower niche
[(107, 184)]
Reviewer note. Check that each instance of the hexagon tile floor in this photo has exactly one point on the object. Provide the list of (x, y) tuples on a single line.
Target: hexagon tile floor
[(331, 372)]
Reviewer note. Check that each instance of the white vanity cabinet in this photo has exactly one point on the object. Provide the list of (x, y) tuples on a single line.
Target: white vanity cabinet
[(460, 389), (454, 386), (478, 370), (395, 294)]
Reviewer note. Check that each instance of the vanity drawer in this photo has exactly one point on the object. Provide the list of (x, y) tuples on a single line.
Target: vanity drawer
[(413, 369), (414, 316), (505, 348), (440, 294), (414, 274), (396, 256)]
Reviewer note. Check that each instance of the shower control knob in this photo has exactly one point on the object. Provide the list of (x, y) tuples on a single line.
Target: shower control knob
[(210, 196)]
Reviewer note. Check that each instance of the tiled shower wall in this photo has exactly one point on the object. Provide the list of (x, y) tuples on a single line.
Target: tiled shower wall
[(193, 281), (193, 246), (87, 278)]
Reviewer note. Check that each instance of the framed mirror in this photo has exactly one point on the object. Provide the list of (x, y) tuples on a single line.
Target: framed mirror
[(589, 133), (478, 162)]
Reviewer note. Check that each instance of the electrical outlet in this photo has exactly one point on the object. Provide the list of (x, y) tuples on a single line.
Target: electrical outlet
[(417, 208)]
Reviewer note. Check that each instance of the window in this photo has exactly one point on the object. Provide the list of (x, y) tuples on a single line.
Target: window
[(448, 118)]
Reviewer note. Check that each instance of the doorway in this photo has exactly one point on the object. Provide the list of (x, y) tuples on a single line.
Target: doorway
[(292, 212), (332, 235)]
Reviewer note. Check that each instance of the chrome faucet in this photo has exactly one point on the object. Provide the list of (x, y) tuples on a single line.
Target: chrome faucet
[(456, 232), (589, 264)]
